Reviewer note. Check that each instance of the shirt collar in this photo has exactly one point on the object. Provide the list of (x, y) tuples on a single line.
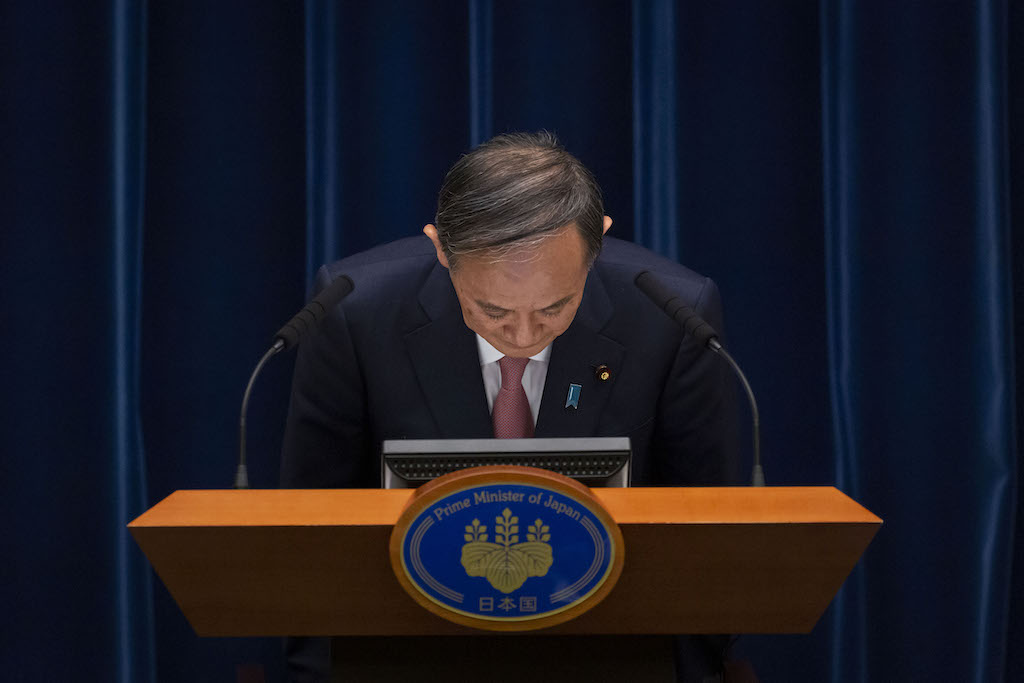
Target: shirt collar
[(489, 354)]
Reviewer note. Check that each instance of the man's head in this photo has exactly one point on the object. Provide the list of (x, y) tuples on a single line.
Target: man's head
[(513, 191), (519, 223)]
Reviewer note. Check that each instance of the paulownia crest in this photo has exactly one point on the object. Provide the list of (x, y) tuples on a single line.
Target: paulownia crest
[(507, 563)]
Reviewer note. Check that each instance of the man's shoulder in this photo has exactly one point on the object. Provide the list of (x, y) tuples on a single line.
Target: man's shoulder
[(623, 261), (404, 254), (395, 270), (388, 281), (413, 253)]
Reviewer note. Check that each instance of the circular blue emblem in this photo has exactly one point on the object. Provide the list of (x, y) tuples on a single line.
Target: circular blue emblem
[(508, 551)]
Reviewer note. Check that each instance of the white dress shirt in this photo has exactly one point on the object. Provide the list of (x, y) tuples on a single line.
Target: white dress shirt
[(533, 377)]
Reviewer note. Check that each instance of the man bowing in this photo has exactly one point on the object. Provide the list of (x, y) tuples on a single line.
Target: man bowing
[(513, 299)]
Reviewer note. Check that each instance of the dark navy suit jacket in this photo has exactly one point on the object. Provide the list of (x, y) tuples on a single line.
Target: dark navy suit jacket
[(395, 360)]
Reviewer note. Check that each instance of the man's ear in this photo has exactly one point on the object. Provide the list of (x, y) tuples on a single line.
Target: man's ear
[(607, 224), (430, 231)]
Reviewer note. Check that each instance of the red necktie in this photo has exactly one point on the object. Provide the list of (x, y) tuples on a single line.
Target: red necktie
[(511, 412)]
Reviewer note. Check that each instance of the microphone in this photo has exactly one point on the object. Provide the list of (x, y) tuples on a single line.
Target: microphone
[(694, 325), (309, 317), (288, 336)]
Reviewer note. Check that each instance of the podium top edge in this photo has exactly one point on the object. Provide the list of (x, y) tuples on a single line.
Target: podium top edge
[(382, 507)]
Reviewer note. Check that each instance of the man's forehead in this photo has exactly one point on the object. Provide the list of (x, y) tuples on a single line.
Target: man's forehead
[(532, 248)]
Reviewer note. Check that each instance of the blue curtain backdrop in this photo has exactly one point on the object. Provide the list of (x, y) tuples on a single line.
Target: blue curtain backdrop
[(846, 171)]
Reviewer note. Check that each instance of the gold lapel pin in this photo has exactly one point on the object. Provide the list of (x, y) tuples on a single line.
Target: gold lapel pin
[(603, 373)]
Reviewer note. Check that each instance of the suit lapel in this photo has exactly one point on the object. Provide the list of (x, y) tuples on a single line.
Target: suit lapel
[(575, 356), (447, 364)]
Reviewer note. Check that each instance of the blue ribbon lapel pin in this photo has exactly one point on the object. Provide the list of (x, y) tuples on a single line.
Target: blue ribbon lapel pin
[(573, 399)]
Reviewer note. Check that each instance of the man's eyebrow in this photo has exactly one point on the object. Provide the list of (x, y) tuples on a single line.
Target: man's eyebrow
[(561, 302), (494, 307), (490, 306)]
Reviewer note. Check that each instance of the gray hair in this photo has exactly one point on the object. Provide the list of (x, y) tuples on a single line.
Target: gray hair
[(513, 192)]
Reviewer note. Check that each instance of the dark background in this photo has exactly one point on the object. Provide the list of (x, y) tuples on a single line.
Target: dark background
[(846, 171)]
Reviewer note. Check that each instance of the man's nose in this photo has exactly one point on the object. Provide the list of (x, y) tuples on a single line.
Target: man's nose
[(524, 332)]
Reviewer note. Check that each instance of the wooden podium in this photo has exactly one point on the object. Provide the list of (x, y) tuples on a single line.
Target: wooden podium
[(315, 562)]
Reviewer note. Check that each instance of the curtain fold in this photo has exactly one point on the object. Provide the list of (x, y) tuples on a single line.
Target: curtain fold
[(920, 333), (323, 151), (135, 627), (839, 155), (655, 185), (995, 384), (387, 109), (481, 70), (77, 592)]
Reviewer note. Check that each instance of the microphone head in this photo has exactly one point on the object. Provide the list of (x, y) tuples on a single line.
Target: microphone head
[(655, 291), (670, 302), (335, 292), (309, 317)]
